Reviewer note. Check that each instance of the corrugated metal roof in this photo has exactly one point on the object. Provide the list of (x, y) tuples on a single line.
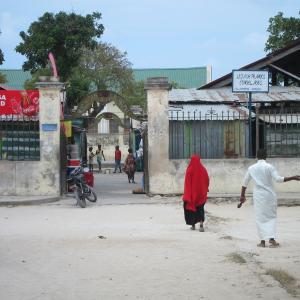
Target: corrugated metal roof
[(221, 95), (185, 77), (207, 112), (15, 78), (5, 87)]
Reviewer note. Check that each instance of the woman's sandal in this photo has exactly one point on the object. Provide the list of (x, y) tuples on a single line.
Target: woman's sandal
[(201, 229), (262, 245), (193, 227)]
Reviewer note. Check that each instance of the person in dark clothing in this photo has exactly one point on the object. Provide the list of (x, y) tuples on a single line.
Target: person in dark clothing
[(196, 185)]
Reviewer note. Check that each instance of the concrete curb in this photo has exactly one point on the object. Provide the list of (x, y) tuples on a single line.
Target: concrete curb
[(26, 201)]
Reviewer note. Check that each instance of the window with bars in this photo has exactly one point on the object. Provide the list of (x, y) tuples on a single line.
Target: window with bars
[(19, 139), (113, 126)]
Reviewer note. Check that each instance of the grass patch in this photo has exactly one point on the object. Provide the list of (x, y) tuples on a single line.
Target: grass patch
[(285, 279), (236, 258)]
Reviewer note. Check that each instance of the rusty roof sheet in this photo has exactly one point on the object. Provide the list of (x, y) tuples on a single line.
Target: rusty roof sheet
[(225, 95)]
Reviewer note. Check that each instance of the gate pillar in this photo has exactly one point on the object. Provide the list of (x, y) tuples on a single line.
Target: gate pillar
[(158, 131), (50, 113)]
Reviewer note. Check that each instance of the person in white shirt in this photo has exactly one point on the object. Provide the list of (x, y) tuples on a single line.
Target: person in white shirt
[(264, 197)]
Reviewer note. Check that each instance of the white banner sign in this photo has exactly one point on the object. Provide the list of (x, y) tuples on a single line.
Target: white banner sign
[(250, 81)]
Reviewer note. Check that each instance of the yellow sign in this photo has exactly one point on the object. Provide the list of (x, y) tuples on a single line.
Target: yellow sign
[(68, 128)]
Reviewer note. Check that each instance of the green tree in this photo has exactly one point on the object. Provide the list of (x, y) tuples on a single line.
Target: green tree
[(2, 77), (1, 56), (102, 68), (135, 94), (65, 35), (107, 67), (30, 83), (78, 87), (281, 32)]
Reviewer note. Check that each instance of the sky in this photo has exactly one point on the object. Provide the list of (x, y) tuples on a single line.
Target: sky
[(225, 34)]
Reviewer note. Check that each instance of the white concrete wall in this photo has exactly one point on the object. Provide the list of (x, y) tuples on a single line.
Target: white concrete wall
[(34, 178), (226, 175), (103, 125)]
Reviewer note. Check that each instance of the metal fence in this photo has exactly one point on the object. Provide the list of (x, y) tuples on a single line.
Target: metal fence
[(219, 133), (280, 133), (19, 138)]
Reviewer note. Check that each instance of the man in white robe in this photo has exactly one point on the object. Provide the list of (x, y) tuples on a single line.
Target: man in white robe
[(264, 197)]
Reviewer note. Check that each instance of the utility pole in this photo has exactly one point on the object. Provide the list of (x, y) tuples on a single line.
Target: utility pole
[(257, 105), (250, 127)]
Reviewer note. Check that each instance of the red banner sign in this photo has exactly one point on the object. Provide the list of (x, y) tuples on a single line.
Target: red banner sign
[(22, 103)]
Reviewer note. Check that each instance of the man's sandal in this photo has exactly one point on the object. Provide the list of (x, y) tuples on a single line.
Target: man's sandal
[(273, 244)]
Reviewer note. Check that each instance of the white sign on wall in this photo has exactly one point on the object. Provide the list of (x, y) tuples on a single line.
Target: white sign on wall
[(250, 81)]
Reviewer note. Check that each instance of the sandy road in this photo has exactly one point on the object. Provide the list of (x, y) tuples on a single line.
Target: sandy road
[(53, 252)]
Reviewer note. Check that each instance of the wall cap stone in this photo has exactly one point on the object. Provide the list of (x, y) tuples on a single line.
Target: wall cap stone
[(157, 83), (50, 82)]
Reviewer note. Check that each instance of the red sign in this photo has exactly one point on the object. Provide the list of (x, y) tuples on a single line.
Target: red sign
[(22, 103)]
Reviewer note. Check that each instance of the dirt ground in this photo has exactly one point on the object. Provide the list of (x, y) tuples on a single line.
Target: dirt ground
[(144, 251)]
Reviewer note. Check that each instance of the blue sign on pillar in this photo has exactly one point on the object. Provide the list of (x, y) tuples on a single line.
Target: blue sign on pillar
[(49, 127)]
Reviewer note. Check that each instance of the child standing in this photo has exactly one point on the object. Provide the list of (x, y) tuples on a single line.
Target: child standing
[(99, 155)]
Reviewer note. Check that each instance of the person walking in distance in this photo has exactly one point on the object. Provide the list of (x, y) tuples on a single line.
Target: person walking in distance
[(118, 156), (99, 155), (264, 197), (129, 166), (91, 158), (196, 185)]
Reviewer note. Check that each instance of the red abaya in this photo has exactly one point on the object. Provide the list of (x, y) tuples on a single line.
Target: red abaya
[(195, 184)]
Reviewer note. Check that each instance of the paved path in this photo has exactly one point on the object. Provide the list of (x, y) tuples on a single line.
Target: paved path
[(115, 189)]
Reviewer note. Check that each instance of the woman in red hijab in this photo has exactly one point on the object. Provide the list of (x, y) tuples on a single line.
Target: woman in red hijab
[(195, 192)]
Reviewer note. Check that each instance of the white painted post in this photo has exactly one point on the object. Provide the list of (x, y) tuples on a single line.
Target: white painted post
[(158, 131), (50, 112)]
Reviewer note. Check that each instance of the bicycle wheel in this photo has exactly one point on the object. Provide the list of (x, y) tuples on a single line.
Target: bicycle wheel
[(80, 198), (91, 196)]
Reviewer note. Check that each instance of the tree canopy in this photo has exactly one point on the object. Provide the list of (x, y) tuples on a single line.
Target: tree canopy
[(1, 56), (84, 63), (135, 94), (105, 68), (2, 77), (282, 31), (65, 35)]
